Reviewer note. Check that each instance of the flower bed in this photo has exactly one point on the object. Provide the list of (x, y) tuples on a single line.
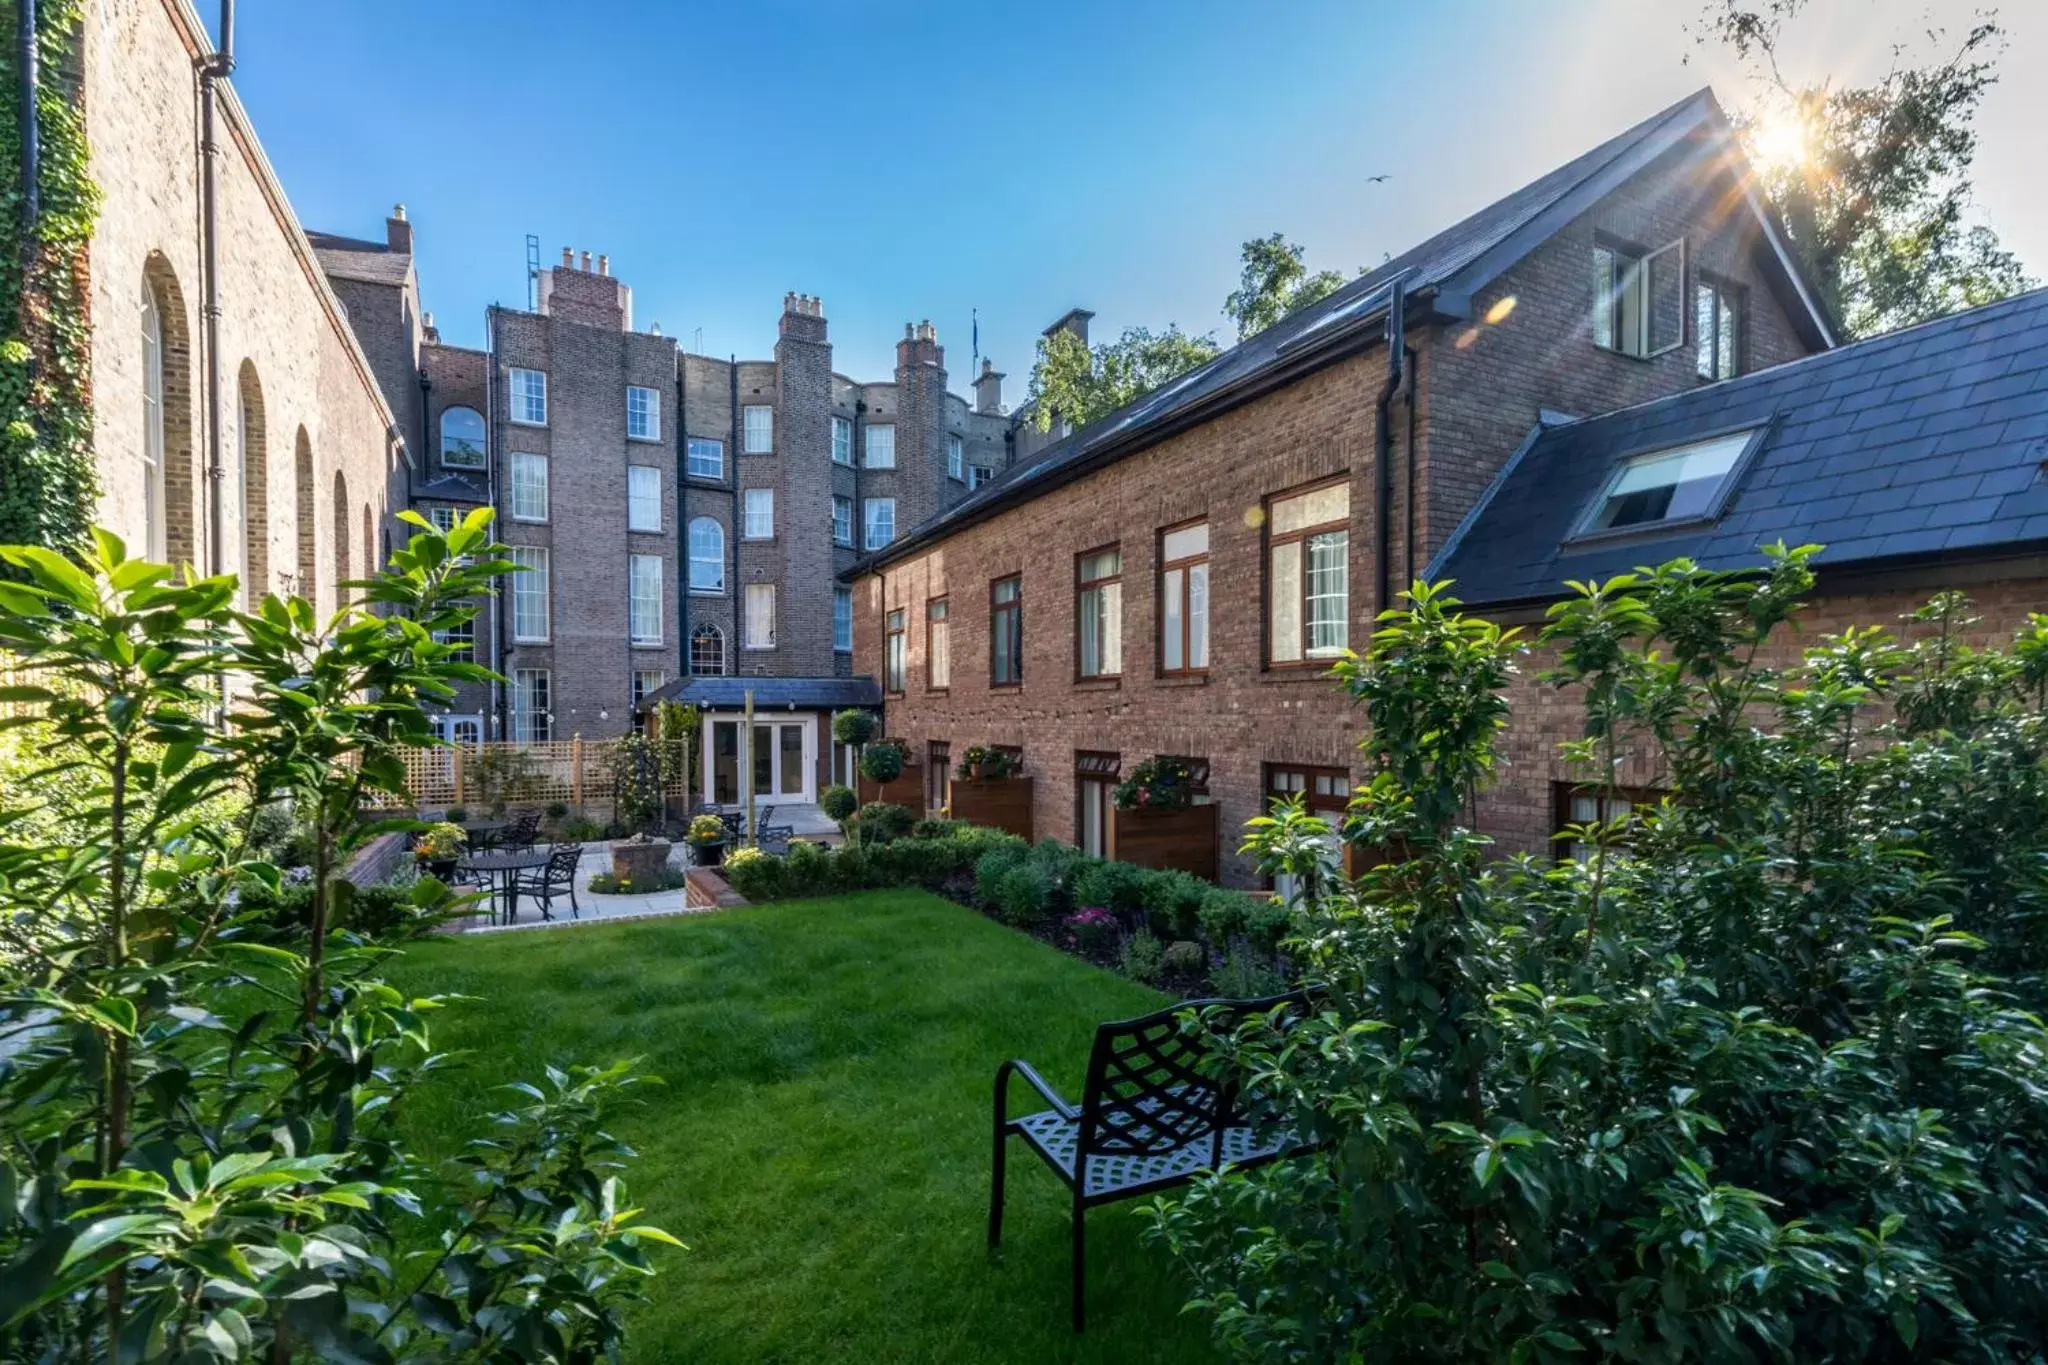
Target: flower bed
[(1164, 928)]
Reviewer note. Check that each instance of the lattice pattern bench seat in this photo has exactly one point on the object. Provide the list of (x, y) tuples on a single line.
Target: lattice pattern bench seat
[(1152, 1116)]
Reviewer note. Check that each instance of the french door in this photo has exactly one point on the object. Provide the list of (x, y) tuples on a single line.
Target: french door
[(777, 761)]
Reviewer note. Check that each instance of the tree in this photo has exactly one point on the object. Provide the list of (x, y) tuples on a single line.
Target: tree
[(1274, 283), (1873, 181), (1078, 384)]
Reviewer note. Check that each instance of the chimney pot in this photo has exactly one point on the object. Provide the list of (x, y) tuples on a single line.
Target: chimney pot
[(586, 262), (910, 331), (398, 212), (604, 265), (568, 258)]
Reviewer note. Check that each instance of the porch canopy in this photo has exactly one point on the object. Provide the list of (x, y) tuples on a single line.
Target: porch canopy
[(729, 693)]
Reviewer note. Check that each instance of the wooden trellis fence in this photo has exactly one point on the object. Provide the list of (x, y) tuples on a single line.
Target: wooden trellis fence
[(572, 771)]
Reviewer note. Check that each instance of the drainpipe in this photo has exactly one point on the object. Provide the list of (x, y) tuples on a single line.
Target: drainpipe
[(31, 130), (682, 511), (1408, 541), (732, 469), (214, 68), (1383, 443), (500, 702)]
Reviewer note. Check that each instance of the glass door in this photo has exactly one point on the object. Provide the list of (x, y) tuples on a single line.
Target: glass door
[(777, 762)]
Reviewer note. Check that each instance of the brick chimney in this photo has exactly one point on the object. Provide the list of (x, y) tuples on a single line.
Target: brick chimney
[(586, 293), (919, 347), (803, 318), (988, 389), (1074, 320), (398, 230)]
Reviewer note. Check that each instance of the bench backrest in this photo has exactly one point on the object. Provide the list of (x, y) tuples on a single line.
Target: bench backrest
[(1150, 1089)]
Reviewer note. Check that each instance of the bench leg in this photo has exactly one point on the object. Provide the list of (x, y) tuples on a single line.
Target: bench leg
[(1080, 1260)]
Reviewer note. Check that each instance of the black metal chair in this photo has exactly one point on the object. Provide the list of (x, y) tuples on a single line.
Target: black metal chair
[(553, 878), (518, 836), (1153, 1115)]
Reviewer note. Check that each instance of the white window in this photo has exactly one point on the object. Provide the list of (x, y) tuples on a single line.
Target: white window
[(706, 458), (707, 555), (1184, 599), (938, 645), (842, 520), (643, 498), (1638, 299), (881, 447), (1683, 483), (707, 650), (646, 682), (1308, 550), (760, 616), (443, 517), (977, 475), (529, 487), (842, 441), (463, 638), (1717, 327), (760, 522), (462, 438), (531, 723), (644, 616), (842, 619), (759, 425), (956, 458), (529, 594), (529, 398), (153, 521), (1099, 613), (643, 413), (881, 522)]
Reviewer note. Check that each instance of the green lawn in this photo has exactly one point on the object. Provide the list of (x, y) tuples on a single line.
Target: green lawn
[(822, 1139)]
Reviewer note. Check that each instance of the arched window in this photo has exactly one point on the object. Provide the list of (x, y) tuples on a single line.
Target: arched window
[(462, 438), (372, 561), (153, 519), (707, 555), (342, 570), (707, 649), (305, 514), (253, 456)]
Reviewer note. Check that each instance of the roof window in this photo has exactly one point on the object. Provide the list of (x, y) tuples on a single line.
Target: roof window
[(1676, 484)]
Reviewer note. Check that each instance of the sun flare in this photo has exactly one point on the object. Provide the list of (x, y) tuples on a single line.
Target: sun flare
[(1778, 141)]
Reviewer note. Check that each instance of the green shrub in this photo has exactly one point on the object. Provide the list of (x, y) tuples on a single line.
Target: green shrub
[(1116, 887), (557, 810), (1143, 958), (933, 828), (1062, 864), (456, 815), (1260, 920), (839, 803), (1173, 903), (1185, 955), (854, 869), (579, 829), (882, 763), (1024, 896), (755, 874), (992, 866), (853, 728), (1246, 975), (807, 870), (884, 822)]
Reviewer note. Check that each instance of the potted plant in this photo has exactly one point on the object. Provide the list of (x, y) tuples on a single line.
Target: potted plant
[(984, 764), (1159, 783), (707, 837), (439, 848)]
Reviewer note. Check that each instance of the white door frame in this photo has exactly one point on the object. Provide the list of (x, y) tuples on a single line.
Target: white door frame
[(807, 719)]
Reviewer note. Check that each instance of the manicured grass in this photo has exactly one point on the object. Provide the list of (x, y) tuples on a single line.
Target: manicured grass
[(822, 1140)]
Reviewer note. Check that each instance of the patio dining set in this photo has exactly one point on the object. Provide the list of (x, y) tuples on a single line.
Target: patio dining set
[(505, 861)]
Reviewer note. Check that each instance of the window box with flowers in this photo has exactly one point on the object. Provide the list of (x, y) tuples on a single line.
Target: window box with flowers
[(990, 789), (1158, 822)]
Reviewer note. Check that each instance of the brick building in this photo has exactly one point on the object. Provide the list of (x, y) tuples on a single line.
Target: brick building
[(310, 458), (1174, 578)]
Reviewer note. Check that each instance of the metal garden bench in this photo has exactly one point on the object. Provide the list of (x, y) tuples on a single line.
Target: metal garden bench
[(1152, 1116)]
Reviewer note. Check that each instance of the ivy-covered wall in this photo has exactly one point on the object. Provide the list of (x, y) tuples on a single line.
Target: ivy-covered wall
[(48, 483)]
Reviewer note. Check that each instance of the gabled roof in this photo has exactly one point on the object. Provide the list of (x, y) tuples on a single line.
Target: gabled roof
[(1447, 269), (352, 258), (453, 485), (729, 692), (1928, 440)]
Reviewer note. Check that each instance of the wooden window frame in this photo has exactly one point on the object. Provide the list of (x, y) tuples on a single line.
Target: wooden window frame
[(1302, 536), (1184, 564), (930, 684), (1096, 765), (895, 651), (995, 610), (1084, 586)]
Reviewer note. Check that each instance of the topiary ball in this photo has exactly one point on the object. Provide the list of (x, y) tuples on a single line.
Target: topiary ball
[(839, 803)]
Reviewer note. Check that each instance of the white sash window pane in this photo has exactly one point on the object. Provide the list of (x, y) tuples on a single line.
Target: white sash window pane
[(758, 426), (646, 599), (529, 593), (842, 620), (643, 498), (707, 458), (529, 398), (1328, 594), (529, 487), (760, 616), (1285, 610), (881, 447), (707, 555), (881, 522), (956, 458), (643, 413), (760, 522), (842, 441)]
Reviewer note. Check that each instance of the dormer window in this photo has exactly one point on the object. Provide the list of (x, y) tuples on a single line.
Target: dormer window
[(1675, 485)]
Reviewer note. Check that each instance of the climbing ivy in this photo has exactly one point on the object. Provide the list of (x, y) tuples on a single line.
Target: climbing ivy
[(48, 482)]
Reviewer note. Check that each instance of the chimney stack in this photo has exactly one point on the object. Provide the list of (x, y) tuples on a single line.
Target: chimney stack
[(919, 347), (803, 317), (398, 231), (1074, 320), (988, 389)]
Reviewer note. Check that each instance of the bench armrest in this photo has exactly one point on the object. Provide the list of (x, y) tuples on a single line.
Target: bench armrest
[(1035, 1081)]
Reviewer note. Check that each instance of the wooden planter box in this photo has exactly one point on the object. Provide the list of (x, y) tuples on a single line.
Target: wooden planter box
[(999, 802), (906, 790), (1181, 840)]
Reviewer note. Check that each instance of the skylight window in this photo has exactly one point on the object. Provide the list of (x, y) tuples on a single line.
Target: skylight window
[(1682, 483)]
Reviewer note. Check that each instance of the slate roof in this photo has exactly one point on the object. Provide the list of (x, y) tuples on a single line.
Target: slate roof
[(1447, 267), (453, 485), (1931, 440), (352, 258), (728, 693)]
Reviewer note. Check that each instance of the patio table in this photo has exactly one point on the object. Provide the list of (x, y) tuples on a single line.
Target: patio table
[(483, 834), (503, 869)]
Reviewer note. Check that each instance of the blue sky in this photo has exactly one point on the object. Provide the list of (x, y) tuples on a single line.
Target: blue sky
[(910, 160)]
